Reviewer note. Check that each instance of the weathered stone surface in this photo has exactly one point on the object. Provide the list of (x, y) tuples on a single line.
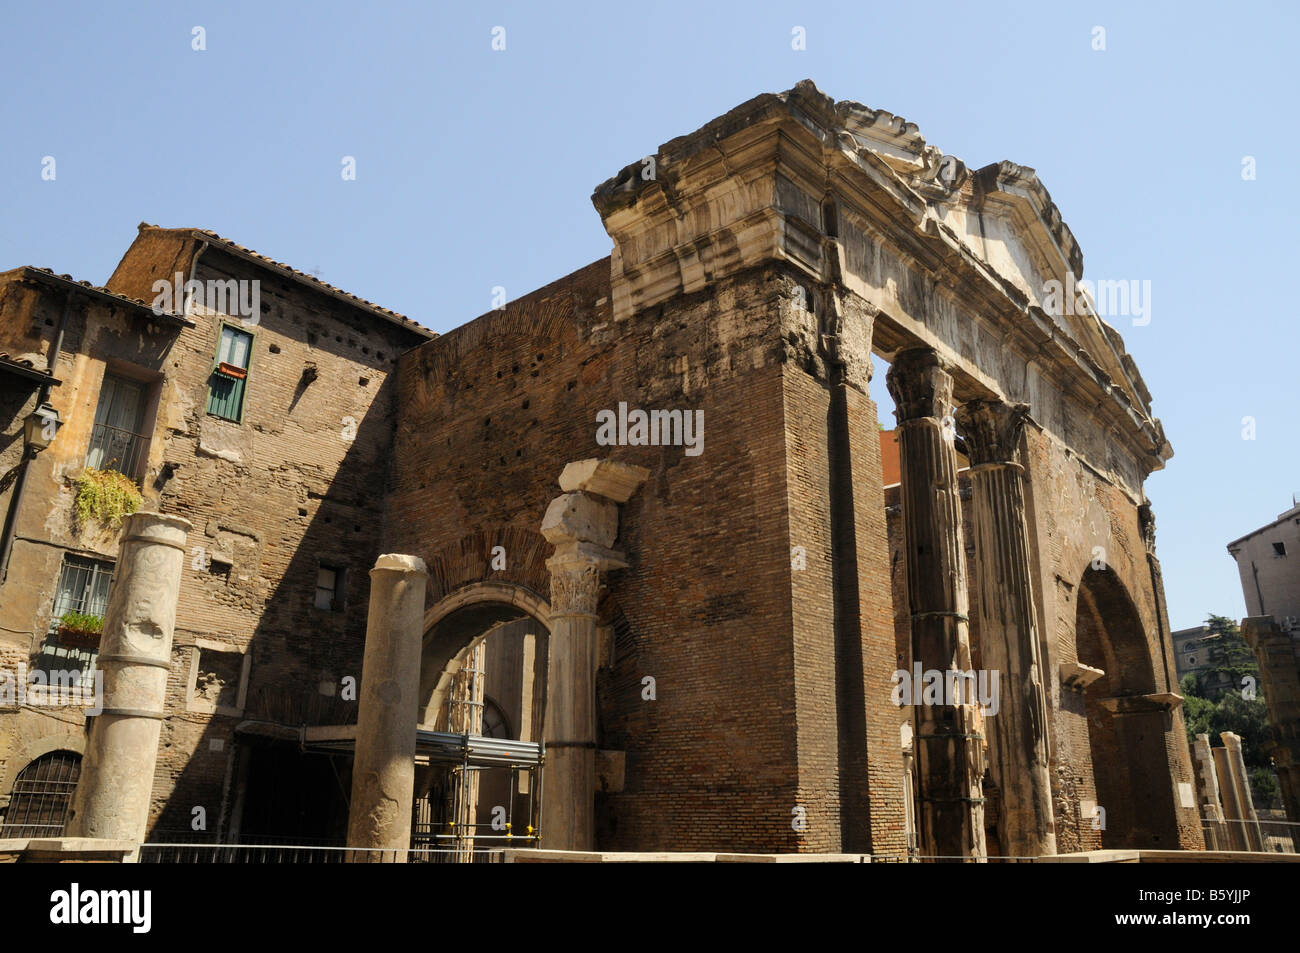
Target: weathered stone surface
[(112, 798), (580, 517), (1018, 759), (779, 247), (614, 481), (1279, 675), (383, 772), (947, 740)]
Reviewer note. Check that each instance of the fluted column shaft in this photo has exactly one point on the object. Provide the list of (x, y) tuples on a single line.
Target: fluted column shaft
[(1017, 733), (947, 741)]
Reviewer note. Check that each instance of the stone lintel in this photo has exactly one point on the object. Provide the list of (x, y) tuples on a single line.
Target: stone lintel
[(1142, 704), (1076, 676), (613, 481)]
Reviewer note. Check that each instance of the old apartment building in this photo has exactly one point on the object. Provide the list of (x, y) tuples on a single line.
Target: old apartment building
[(1268, 561), (707, 626)]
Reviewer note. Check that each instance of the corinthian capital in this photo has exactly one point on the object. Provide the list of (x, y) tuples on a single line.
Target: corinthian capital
[(992, 430), (575, 586), (920, 384)]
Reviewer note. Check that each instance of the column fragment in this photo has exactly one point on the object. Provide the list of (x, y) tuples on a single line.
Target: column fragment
[(383, 770), (112, 796), (582, 524)]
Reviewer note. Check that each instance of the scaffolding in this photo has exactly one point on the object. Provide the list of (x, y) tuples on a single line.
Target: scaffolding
[(459, 836)]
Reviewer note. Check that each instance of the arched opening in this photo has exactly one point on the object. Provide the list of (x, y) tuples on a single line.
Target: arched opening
[(41, 796), (1127, 722), (483, 672)]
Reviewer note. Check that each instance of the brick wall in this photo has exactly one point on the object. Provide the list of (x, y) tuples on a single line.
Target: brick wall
[(298, 481)]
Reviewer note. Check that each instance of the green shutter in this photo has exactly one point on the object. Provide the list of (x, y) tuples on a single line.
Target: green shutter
[(225, 396), (225, 393)]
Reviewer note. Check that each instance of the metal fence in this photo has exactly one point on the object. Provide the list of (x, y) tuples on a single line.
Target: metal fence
[(1267, 835), (301, 854)]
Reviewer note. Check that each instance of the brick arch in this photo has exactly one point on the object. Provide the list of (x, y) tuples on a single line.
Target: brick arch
[(468, 561), (1127, 728), (462, 619), (1110, 636)]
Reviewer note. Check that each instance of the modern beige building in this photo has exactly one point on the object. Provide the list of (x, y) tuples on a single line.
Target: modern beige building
[(1268, 560)]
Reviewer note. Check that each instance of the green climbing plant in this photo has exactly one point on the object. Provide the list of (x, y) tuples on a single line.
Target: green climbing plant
[(106, 497)]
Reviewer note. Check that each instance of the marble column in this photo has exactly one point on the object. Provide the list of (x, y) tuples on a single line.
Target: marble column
[(383, 768), (568, 804), (947, 741), (1238, 802), (1207, 783), (1017, 733), (582, 524), (112, 796)]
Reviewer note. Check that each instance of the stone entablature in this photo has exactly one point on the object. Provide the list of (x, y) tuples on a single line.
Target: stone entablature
[(824, 188)]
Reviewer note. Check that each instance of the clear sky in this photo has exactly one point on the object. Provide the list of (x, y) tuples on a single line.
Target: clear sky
[(474, 166)]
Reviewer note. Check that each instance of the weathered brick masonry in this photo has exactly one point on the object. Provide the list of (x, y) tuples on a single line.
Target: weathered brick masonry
[(290, 486), (752, 276)]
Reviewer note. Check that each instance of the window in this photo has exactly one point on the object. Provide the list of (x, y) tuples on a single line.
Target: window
[(229, 378), (116, 442), (1279, 549), (42, 795), (329, 588), (494, 721), (83, 589)]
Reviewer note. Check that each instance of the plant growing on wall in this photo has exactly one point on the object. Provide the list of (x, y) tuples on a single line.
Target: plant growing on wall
[(106, 497)]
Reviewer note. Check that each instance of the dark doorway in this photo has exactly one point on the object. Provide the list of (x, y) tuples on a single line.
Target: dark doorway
[(294, 798)]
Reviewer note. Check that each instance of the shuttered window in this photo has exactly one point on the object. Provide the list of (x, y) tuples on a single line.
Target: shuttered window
[(229, 378)]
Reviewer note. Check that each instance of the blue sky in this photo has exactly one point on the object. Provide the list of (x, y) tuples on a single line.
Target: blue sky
[(475, 166)]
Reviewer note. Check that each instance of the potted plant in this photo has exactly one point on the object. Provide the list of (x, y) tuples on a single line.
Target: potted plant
[(232, 370), (80, 630)]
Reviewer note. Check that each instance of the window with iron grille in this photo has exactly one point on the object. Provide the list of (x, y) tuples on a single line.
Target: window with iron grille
[(83, 589), (229, 377), (42, 794), (116, 442)]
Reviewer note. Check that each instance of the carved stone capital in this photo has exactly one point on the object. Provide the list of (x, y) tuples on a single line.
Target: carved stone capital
[(920, 384), (992, 430), (575, 586)]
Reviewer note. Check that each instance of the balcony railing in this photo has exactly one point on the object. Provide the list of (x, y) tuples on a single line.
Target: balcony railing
[(114, 449)]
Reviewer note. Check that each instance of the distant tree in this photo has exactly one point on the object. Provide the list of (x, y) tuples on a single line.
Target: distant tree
[(1229, 653), (1264, 788), (1231, 663)]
